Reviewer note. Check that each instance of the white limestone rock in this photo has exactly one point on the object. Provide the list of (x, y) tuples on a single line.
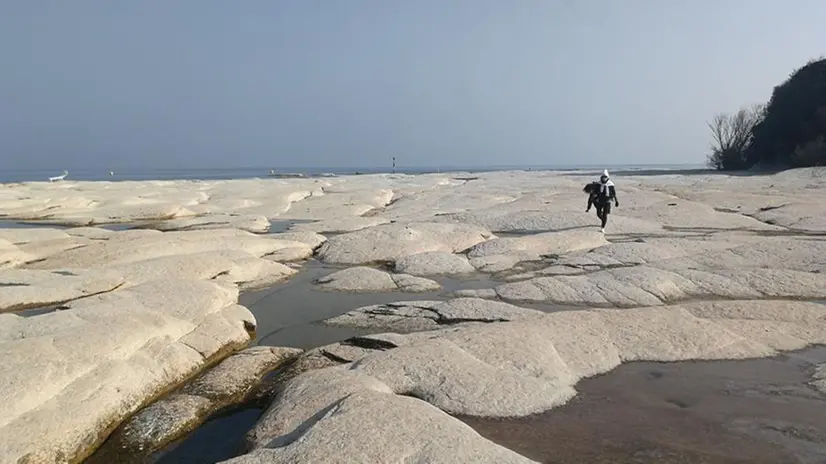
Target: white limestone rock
[(508, 369), (502, 254), (649, 286), (19, 236), (250, 223), (239, 267), (173, 416), (123, 247), (312, 239), (297, 252), (335, 202), (368, 279), (41, 249), (391, 242), (101, 359), (126, 213), (539, 244), (92, 233), (434, 263), (406, 429), (12, 256), (23, 289), (341, 225), (517, 219), (411, 316)]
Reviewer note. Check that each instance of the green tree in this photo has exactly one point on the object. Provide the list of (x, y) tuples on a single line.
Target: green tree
[(791, 132)]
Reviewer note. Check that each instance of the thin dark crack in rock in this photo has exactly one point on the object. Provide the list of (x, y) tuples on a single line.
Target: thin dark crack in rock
[(439, 318), (769, 208), (369, 343), (61, 303), (334, 357)]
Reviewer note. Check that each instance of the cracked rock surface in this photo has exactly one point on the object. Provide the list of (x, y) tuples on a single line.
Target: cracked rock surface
[(181, 412), (389, 242), (99, 360), (412, 316), (250, 223), (95, 324), (434, 263), (510, 369), (368, 279)]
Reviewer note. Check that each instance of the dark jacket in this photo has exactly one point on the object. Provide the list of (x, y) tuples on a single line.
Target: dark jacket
[(596, 195)]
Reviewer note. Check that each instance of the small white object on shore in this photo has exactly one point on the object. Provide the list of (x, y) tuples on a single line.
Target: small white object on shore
[(60, 177)]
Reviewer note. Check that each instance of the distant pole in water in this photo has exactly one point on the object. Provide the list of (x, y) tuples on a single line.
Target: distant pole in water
[(394, 165), (111, 173)]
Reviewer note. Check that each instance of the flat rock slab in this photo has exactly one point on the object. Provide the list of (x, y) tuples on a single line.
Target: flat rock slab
[(23, 289), (407, 429), (501, 254), (540, 244), (92, 233), (391, 242), (312, 239), (341, 225), (105, 356), (18, 236), (123, 247), (235, 266), (501, 220), (173, 416), (368, 279), (649, 286), (12, 256), (434, 263), (411, 316), (346, 202), (508, 369), (251, 223)]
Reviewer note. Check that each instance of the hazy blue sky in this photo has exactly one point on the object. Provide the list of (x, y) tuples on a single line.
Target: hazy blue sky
[(213, 83)]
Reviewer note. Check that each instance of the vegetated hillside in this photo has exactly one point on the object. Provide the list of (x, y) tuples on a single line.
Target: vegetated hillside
[(790, 131)]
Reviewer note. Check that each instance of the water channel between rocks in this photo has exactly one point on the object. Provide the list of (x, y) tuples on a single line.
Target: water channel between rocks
[(291, 314)]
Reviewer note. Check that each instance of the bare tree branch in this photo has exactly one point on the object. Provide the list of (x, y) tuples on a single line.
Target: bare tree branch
[(732, 134)]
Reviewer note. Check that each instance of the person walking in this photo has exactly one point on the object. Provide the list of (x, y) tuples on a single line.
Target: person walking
[(601, 195)]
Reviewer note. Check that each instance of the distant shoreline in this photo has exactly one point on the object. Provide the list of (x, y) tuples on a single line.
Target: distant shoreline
[(40, 175)]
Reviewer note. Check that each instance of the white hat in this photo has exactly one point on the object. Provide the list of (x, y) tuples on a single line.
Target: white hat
[(605, 173)]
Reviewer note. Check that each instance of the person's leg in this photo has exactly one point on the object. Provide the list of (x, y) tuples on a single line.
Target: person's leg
[(606, 210), (599, 210)]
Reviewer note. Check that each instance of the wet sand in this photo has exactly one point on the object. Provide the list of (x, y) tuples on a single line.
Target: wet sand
[(752, 411)]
